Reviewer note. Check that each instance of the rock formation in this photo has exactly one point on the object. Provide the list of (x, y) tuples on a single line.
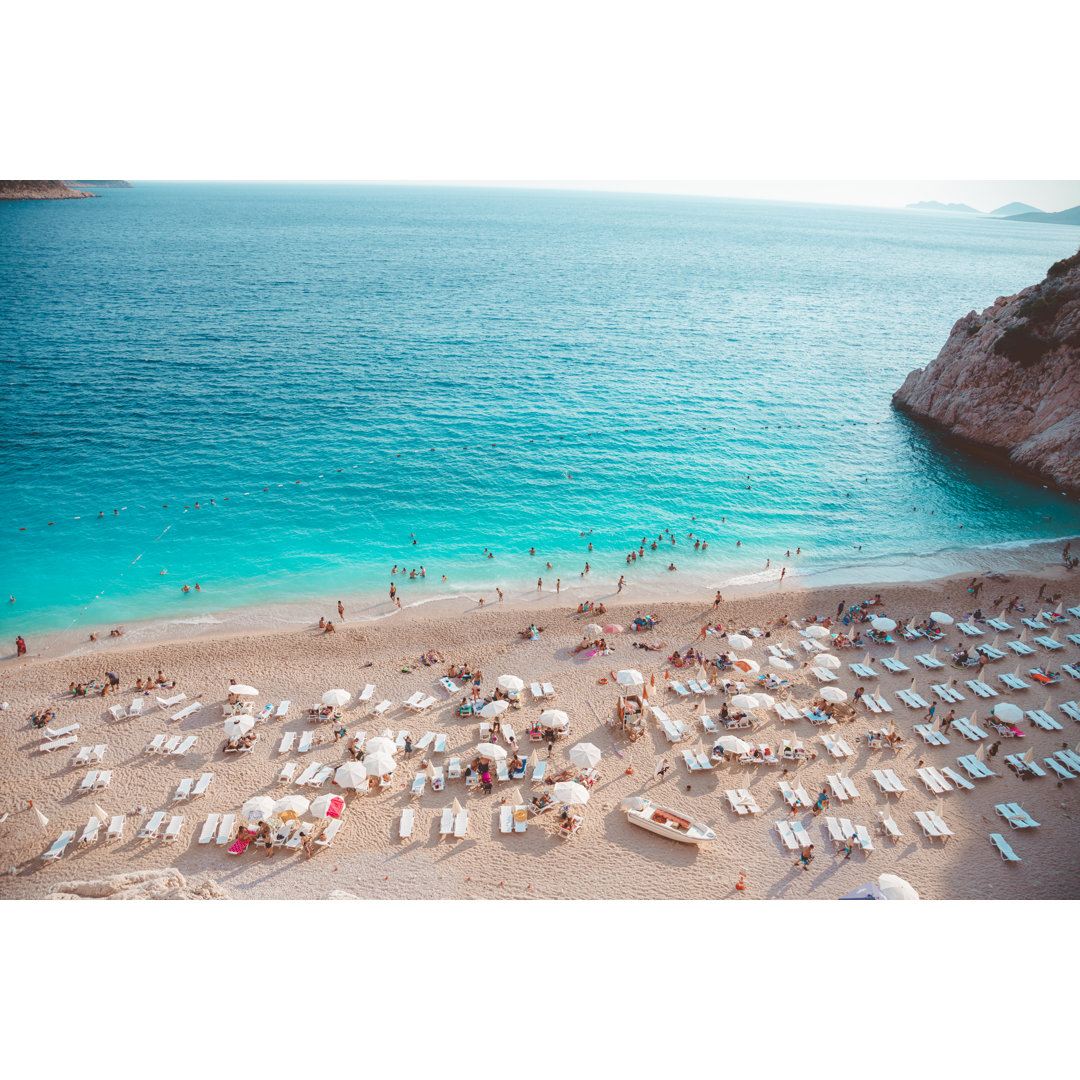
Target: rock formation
[(41, 189), (1008, 381), (168, 884), (125, 183)]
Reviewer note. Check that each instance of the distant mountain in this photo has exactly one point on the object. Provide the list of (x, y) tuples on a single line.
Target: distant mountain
[(1062, 217), (953, 207), (124, 183), (1014, 209), (41, 189)]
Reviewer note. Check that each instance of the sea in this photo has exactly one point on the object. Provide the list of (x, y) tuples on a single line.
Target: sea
[(283, 392)]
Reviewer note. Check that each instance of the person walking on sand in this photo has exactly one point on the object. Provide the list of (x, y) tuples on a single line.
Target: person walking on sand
[(930, 715), (806, 856), (719, 599), (340, 610), (840, 608), (539, 584), (662, 769), (499, 591)]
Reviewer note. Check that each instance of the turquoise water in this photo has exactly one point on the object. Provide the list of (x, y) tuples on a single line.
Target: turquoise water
[(329, 371)]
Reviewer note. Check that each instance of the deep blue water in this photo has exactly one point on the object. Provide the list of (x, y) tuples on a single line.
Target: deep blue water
[(483, 369)]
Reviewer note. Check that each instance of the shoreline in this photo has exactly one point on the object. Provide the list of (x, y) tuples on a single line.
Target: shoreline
[(295, 615), (608, 859)]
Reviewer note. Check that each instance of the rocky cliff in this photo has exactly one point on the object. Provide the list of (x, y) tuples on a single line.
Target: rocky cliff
[(1008, 381), (41, 189)]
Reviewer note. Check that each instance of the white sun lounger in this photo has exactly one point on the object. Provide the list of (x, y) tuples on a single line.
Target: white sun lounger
[(413, 701), (1020, 765), (116, 828), (912, 700), (461, 823), (1074, 638), (893, 664), (1003, 848), (539, 769), (889, 827), (282, 710), (970, 629), (863, 671), (58, 744), (152, 829), (980, 689), (329, 833), (1048, 643), (426, 741), (989, 652), (930, 827), (1014, 682), (1034, 624), (118, 712), (405, 827), (1041, 718), (453, 768), (305, 777), (823, 674), (947, 693), (1059, 769), (402, 735), (169, 702), (1069, 758), (975, 769), (836, 831), (287, 738), (90, 832), (60, 845), (103, 780), (928, 735), (225, 829), (183, 790), (506, 819), (708, 724), (204, 782), (187, 711), (999, 624), (1016, 816), (787, 837), (863, 839), (787, 711), (1071, 709), (933, 780), (383, 706), (210, 826), (929, 661), (954, 777), (450, 686), (305, 742), (446, 822), (172, 833), (1021, 648), (168, 747), (419, 785), (322, 776), (746, 800), (437, 782), (87, 784), (83, 756), (185, 746), (288, 771)]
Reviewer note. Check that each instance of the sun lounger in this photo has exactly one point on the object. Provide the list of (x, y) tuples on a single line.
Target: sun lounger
[(929, 661), (1041, 718), (83, 756), (225, 829), (1071, 709), (183, 790), (437, 781), (1014, 682), (167, 748), (933, 780), (863, 671), (1034, 624), (329, 833), (929, 735), (419, 784), (786, 711), (59, 845), (414, 700), (426, 741), (1003, 848), (90, 832), (746, 800), (1048, 643), (461, 823), (152, 829), (1016, 816), (383, 706), (288, 771), (87, 784), (1074, 638), (287, 739), (1059, 769), (537, 691), (955, 778), (885, 784), (989, 652), (929, 826), (1020, 765), (975, 769), (889, 827), (58, 744), (823, 674), (425, 704), (690, 760), (446, 822), (882, 703), (282, 710), (402, 735), (209, 828), (450, 686), (801, 835), (324, 774), (185, 746), (116, 828), (548, 690), (453, 768), (305, 742), (980, 689), (709, 725), (1069, 758), (678, 688), (863, 839), (118, 712), (999, 624), (947, 693), (539, 770), (787, 837), (970, 629), (893, 664), (135, 709), (185, 712), (836, 831), (1021, 648), (502, 773), (405, 827), (306, 776), (506, 819), (912, 700), (172, 833), (102, 780)]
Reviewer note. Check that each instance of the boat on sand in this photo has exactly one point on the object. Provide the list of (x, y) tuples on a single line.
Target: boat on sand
[(665, 822)]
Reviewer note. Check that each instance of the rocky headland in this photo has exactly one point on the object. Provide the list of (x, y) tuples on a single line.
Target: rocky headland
[(41, 189), (125, 183), (1007, 381)]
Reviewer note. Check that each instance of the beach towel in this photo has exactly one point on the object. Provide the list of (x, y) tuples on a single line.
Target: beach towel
[(239, 845), (337, 804)]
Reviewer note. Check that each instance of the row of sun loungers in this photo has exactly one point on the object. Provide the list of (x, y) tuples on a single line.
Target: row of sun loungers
[(888, 782), (981, 689), (842, 787), (177, 746), (912, 700), (90, 755), (95, 781)]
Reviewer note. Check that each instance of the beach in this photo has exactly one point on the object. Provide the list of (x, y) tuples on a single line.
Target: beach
[(608, 858)]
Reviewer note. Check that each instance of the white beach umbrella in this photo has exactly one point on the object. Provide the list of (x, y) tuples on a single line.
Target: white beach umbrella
[(630, 677), (353, 774), (321, 805), (834, 694), (816, 630), (593, 628), (572, 793), (258, 808), (733, 744), (739, 641), (379, 745), (242, 690), (942, 617), (881, 623), (554, 718), (744, 701), (764, 701), (896, 888), (337, 698), (749, 666), (510, 682), (613, 628), (490, 752), (493, 709), (379, 764), (585, 754), (827, 660), (296, 803), (780, 664), (43, 821), (1008, 712), (236, 726)]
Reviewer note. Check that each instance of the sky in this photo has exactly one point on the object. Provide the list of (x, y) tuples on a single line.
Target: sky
[(833, 102)]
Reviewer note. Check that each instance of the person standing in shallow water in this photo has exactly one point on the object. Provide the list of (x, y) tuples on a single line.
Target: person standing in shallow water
[(340, 610)]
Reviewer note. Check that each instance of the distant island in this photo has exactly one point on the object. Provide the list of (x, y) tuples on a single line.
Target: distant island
[(1013, 209), (124, 183), (41, 189), (954, 207), (1062, 217)]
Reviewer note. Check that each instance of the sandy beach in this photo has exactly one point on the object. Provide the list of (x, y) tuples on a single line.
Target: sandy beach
[(608, 858)]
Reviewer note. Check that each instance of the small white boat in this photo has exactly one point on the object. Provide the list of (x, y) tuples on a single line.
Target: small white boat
[(665, 822)]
